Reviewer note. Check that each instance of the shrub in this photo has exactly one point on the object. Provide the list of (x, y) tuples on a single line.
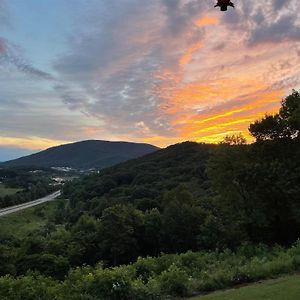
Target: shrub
[(174, 281), (165, 277), (27, 288)]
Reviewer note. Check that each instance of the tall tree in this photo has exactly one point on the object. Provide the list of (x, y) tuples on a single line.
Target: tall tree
[(121, 225)]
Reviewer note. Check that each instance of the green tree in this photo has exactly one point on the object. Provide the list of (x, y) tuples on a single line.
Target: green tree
[(121, 229), (153, 228), (181, 220), (84, 242)]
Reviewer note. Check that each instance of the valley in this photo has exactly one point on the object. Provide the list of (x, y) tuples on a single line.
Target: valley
[(16, 208)]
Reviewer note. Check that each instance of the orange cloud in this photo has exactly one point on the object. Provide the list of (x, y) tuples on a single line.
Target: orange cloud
[(221, 92), (226, 114), (207, 20), (215, 127), (187, 56), (264, 98)]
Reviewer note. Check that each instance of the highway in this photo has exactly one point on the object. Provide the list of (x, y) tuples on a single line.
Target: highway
[(13, 209)]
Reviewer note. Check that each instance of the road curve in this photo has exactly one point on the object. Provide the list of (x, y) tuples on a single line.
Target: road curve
[(12, 209)]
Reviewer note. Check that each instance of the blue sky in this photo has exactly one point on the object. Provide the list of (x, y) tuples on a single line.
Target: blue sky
[(160, 71), (40, 28)]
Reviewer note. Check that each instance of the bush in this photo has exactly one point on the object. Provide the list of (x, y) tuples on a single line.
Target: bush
[(28, 288), (174, 281), (165, 277)]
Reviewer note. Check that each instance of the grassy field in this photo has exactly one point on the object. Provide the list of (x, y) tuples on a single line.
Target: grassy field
[(23, 222), (286, 288), (4, 191)]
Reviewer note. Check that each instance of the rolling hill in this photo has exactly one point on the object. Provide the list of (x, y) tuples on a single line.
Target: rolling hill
[(147, 178), (84, 155)]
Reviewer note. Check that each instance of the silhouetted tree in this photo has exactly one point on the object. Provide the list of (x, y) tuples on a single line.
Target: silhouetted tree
[(285, 124)]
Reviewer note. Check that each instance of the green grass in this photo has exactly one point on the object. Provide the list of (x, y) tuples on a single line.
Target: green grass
[(286, 288), (5, 191), (21, 223)]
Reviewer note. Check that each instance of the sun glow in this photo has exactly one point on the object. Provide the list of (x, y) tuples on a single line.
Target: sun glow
[(30, 143)]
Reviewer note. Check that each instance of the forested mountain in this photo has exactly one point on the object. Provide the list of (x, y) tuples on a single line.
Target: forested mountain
[(84, 155), (143, 181)]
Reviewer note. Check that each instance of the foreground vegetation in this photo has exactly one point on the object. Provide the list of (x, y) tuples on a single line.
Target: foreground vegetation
[(287, 288), (168, 276)]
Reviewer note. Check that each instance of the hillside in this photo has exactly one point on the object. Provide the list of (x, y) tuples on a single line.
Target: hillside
[(144, 180), (84, 155)]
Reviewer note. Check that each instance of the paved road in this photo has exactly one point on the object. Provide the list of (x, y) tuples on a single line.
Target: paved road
[(12, 209)]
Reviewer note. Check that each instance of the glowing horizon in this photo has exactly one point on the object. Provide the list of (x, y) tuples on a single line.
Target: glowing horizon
[(159, 72)]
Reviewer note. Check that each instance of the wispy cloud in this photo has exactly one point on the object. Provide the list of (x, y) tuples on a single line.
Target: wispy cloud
[(11, 58)]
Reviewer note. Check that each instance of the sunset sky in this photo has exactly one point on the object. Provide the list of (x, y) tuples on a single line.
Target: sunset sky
[(157, 71)]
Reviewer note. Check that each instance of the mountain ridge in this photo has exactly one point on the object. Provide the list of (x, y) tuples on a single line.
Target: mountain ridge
[(84, 155)]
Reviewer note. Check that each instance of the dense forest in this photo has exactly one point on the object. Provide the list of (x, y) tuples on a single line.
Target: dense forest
[(187, 197)]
